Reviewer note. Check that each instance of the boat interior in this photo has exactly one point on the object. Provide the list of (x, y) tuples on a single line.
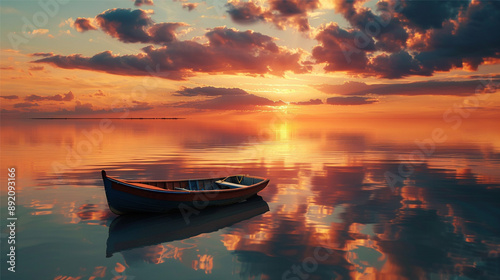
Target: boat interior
[(230, 182)]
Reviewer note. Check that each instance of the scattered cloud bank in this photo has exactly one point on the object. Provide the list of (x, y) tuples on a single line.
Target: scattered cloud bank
[(310, 102), (391, 39), (224, 99), (396, 39), (228, 51), (350, 100), (432, 87), (209, 91), (58, 97)]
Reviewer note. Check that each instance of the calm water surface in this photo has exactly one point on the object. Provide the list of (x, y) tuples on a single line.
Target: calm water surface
[(347, 200)]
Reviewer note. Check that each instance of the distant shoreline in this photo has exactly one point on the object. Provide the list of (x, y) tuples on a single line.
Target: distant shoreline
[(108, 118)]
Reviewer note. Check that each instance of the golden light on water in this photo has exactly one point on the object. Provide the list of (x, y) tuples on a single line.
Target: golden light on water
[(328, 190)]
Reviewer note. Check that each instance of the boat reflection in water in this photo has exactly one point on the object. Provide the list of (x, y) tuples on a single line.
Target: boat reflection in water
[(134, 231)]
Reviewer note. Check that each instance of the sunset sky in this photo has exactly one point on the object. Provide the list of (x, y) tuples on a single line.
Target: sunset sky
[(311, 58)]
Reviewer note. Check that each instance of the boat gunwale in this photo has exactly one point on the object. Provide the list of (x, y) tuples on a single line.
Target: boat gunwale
[(196, 179), (160, 190)]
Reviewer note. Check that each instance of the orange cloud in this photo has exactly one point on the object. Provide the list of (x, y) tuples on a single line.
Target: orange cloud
[(228, 51), (84, 24)]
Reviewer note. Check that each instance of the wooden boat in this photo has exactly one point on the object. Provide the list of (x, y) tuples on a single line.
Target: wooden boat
[(128, 232), (139, 196)]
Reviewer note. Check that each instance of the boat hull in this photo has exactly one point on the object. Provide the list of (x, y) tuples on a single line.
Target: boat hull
[(127, 197)]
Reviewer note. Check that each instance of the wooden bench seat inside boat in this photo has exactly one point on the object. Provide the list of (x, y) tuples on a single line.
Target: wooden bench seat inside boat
[(230, 185)]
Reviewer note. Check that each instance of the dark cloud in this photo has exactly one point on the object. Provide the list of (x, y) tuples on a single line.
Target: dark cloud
[(224, 99), (470, 43), (139, 3), (42, 54), (25, 105), (133, 26), (104, 62), (310, 102), (228, 51), (246, 12), (140, 106), (9, 97), (346, 88), (7, 68), (431, 14), (337, 51), (232, 102), (293, 7), (58, 97), (447, 88), (210, 91), (351, 50), (164, 32), (350, 100), (395, 65), (491, 76), (126, 25), (230, 38), (189, 6), (83, 24), (282, 13), (389, 32)]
